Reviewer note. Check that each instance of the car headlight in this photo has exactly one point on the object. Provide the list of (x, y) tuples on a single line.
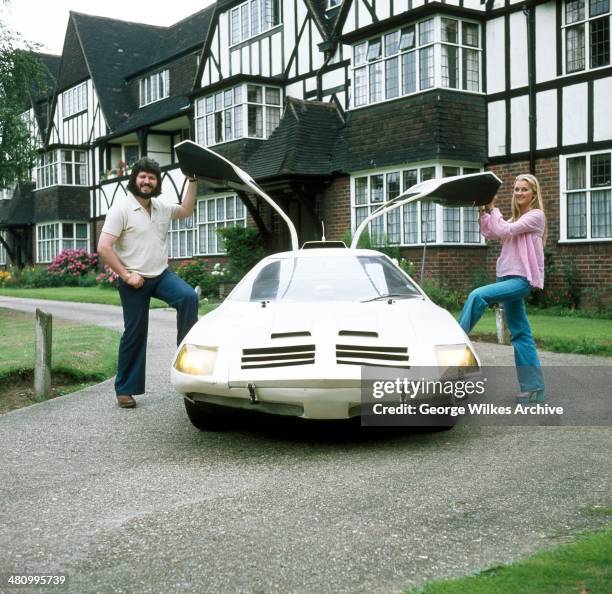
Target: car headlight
[(196, 360), (456, 356)]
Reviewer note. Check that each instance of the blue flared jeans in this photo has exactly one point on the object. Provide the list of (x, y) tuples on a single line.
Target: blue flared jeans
[(132, 358), (510, 291)]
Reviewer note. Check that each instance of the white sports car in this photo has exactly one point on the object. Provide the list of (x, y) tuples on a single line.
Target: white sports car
[(295, 334), (292, 336)]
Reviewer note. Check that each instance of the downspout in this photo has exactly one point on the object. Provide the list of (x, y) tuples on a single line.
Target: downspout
[(528, 11)]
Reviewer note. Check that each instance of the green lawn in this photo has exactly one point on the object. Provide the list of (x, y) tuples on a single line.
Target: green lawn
[(560, 334), (583, 566), (84, 352), (85, 295)]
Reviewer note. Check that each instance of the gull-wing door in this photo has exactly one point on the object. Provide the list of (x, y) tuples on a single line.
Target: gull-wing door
[(219, 173)]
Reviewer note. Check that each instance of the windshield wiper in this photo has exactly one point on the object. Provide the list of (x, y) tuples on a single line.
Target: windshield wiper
[(391, 296)]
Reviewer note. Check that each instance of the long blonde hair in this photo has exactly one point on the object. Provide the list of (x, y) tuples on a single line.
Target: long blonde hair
[(536, 202)]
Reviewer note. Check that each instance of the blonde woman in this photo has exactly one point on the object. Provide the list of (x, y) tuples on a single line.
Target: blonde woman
[(520, 268)]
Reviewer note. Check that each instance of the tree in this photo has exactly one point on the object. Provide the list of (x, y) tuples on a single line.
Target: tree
[(22, 76)]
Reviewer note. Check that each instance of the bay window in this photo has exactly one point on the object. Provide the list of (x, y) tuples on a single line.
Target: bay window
[(416, 222), (404, 61), (53, 238), (243, 111), (62, 167)]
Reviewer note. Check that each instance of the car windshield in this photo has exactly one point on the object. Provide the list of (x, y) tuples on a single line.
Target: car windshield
[(326, 278)]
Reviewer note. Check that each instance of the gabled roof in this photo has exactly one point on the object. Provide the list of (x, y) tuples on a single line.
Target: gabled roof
[(112, 49), (303, 142), (44, 92)]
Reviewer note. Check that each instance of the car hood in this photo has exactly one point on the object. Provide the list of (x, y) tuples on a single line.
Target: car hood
[(415, 323)]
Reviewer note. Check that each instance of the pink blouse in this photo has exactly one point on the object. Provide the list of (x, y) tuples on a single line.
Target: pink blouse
[(522, 251)]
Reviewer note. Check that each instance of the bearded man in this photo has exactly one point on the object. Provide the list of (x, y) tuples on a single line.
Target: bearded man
[(134, 243)]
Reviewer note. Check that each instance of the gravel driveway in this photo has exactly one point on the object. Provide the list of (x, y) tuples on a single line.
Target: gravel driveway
[(140, 501)]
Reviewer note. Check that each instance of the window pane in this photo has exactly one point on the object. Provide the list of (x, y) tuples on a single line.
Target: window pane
[(361, 190), (376, 189), (600, 170), (81, 231), (600, 42), (235, 25), (272, 96), (359, 53), (374, 49), (228, 98), (471, 71), (218, 126), (601, 213), (238, 94), (254, 94), (238, 122), (393, 227), (229, 208), (410, 223), (471, 229), (67, 173), (574, 11), (450, 30), (576, 173), (407, 37), (409, 73), (452, 224), (410, 178), (450, 66), (576, 215), (375, 71), (392, 43), (574, 42), (428, 173), (67, 230), (255, 121), (244, 21), (272, 119), (255, 18), (227, 117), (470, 34), (210, 105), (598, 7), (360, 215), (426, 68), (377, 231), (392, 78), (428, 221), (448, 171), (426, 31), (393, 185), (361, 79)]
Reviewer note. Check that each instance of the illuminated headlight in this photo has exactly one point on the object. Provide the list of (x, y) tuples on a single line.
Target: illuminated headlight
[(196, 360), (456, 355)]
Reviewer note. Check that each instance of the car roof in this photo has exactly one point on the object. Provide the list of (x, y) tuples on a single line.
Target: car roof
[(324, 252)]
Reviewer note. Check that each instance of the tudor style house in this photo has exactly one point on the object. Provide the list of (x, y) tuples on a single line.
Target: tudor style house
[(335, 106)]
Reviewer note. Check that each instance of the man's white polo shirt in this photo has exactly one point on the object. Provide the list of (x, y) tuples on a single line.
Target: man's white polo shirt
[(142, 244)]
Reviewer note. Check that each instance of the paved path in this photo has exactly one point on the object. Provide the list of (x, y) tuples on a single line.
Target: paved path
[(140, 501)]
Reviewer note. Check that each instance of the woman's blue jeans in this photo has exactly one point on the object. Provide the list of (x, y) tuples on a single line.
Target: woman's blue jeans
[(510, 291), (132, 362)]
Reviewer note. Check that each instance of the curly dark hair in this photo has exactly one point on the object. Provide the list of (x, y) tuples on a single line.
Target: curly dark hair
[(150, 166)]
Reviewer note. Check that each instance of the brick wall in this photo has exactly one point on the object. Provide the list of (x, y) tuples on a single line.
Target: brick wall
[(336, 208), (592, 261)]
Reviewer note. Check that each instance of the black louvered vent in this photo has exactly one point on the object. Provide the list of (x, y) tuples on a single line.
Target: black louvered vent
[(379, 356), (303, 354)]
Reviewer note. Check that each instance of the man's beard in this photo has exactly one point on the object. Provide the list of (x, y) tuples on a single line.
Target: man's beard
[(143, 195)]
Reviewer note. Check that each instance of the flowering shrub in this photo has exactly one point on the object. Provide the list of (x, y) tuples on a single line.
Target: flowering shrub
[(200, 273), (73, 263), (107, 278), (5, 278)]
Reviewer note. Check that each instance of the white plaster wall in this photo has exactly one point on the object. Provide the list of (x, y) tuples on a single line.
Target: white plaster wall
[(519, 122), (546, 39), (495, 56), (497, 128), (575, 114), (519, 74), (602, 118), (546, 110)]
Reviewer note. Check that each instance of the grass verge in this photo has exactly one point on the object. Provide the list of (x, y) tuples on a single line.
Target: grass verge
[(559, 334), (101, 295), (82, 355), (584, 566)]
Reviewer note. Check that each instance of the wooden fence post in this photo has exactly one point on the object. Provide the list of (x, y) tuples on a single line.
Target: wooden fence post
[(500, 325), (42, 369)]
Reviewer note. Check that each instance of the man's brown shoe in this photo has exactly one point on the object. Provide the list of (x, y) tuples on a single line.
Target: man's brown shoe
[(126, 401)]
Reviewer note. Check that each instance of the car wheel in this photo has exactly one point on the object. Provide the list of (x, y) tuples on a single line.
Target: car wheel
[(207, 417)]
